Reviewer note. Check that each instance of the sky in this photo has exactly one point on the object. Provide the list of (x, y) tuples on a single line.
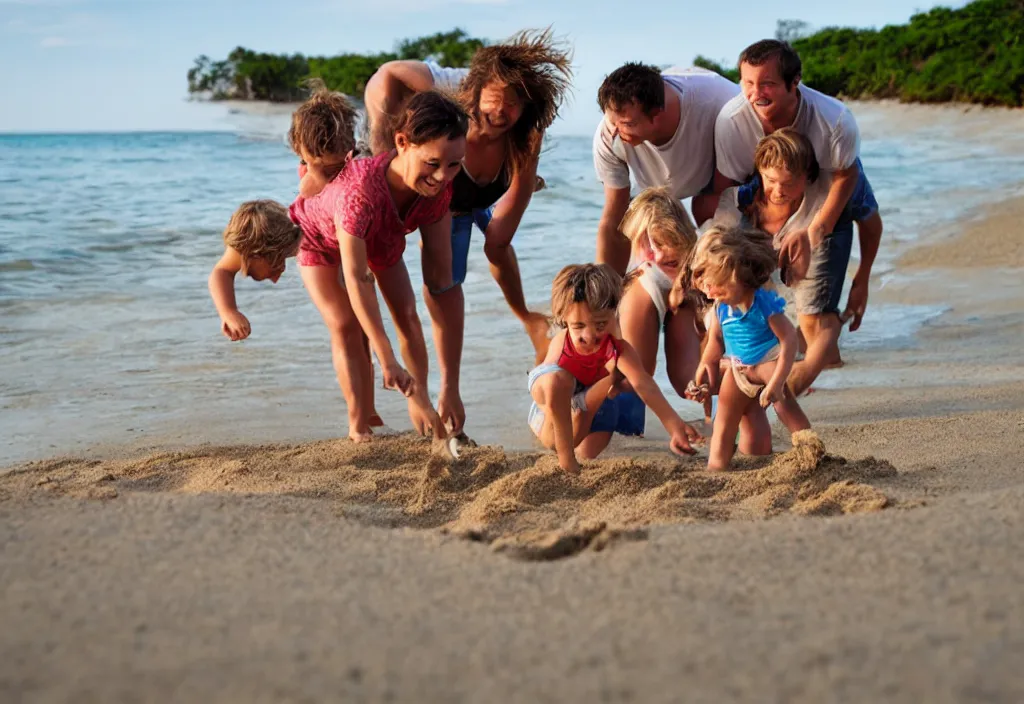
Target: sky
[(120, 65)]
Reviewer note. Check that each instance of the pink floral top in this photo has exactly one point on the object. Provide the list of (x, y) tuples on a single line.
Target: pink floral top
[(360, 199)]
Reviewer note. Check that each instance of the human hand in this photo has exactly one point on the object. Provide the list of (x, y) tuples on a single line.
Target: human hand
[(771, 393), (397, 379), (235, 326), (425, 420), (451, 410), (697, 392), (682, 436), (856, 304), (795, 257)]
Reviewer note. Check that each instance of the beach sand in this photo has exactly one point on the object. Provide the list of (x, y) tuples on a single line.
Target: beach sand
[(877, 560)]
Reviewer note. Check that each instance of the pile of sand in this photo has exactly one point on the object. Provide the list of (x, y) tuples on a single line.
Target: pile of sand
[(521, 504)]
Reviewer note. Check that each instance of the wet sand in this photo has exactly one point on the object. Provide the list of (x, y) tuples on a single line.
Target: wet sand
[(886, 569)]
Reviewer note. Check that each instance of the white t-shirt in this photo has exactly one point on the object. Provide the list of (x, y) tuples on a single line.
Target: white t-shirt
[(729, 214), (825, 121), (446, 79), (686, 163)]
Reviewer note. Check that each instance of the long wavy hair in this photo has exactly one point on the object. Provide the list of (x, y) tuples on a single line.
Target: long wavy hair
[(540, 70)]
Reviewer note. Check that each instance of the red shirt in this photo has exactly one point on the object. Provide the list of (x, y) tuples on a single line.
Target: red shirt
[(588, 368), (360, 199)]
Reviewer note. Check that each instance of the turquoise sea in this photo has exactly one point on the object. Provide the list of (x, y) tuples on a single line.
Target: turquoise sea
[(108, 336)]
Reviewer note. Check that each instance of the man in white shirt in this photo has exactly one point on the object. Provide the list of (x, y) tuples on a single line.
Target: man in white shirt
[(658, 129), (772, 98)]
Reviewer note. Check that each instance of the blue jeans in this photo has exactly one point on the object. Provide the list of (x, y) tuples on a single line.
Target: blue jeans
[(462, 231)]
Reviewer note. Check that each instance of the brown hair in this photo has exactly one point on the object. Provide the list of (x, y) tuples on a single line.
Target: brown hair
[(430, 115), (658, 215), (734, 253), (760, 53), (262, 228), (324, 125), (633, 82), (787, 149), (597, 285), (540, 71)]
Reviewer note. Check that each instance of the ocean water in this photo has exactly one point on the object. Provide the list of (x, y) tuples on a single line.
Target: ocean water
[(108, 335)]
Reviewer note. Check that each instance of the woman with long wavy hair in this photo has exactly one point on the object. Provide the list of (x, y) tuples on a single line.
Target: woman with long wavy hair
[(512, 92)]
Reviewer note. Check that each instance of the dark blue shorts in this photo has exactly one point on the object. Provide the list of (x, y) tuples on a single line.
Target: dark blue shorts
[(625, 414), (462, 231)]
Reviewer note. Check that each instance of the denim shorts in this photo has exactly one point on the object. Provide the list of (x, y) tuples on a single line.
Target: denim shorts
[(462, 230), (625, 414)]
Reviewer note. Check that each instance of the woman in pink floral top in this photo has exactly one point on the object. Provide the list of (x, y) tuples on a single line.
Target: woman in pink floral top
[(354, 232)]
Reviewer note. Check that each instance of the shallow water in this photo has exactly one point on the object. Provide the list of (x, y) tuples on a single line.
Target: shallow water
[(107, 331)]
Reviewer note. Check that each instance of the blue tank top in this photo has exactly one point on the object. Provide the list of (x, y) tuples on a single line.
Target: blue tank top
[(747, 335)]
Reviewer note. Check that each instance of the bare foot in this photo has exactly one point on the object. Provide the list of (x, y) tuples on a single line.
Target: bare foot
[(537, 326), (376, 421), (360, 436)]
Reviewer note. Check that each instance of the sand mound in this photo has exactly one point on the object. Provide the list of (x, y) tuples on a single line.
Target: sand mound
[(521, 504)]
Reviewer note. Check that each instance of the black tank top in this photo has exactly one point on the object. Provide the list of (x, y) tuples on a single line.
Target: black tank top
[(468, 195)]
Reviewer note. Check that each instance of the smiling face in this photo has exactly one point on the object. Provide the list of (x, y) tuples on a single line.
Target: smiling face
[(427, 168), (783, 187), (766, 92), (588, 328), (500, 107), (633, 126)]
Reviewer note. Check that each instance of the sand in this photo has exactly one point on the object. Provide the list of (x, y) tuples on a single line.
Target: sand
[(879, 559)]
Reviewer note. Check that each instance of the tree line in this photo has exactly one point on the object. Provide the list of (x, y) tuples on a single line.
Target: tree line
[(250, 75), (974, 55)]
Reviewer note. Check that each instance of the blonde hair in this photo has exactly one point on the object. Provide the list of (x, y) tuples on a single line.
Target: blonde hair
[(597, 285), (734, 254), (262, 228), (787, 149), (324, 125), (658, 216)]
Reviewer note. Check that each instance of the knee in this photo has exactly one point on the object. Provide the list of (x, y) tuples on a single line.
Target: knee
[(345, 331), (554, 386)]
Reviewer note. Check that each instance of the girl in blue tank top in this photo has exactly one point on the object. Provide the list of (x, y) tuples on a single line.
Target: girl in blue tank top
[(751, 345)]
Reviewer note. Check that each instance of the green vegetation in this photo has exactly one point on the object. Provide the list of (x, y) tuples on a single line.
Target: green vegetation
[(974, 54), (248, 75)]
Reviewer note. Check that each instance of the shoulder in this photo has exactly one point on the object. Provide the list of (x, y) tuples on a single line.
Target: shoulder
[(826, 108), (700, 87), (604, 139), (733, 113), (769, 301)]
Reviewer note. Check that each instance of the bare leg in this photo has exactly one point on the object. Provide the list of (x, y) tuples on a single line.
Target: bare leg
[(594, 397), (593, 445), (682, 349), (732, 405), (553, 393), (348, 352), (755, 432), (822, 332)]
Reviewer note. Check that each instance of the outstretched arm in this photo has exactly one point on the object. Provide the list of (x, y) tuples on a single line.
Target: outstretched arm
[(612, 245), (233, 324), (498, 239), (363, 295), (447, 317), (385, 93), (788, 344)]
